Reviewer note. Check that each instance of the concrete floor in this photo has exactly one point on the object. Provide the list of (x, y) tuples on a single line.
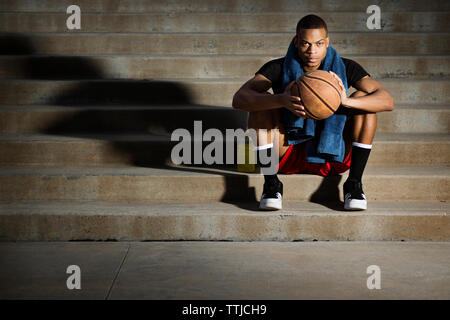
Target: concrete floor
[(225, 270)]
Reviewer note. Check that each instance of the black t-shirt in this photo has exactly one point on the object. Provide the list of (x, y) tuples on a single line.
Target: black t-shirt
[(273, 70)]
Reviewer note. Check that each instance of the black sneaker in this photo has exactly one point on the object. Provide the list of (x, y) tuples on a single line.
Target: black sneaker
[(354, 197), (272, 196)]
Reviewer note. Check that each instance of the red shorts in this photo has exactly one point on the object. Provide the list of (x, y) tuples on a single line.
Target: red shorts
[(294, 161)]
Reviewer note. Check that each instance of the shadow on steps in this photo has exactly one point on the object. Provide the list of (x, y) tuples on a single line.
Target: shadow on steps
[(149, 108)]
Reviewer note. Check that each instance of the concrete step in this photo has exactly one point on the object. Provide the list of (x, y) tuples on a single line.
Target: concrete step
[(408, 118), (298, 221), (155, 149), (200, 66), (165, 119), (137, 119), (225, 270), (221, 22), (196, 184), (272, 44), (212, 92), (248, 6)]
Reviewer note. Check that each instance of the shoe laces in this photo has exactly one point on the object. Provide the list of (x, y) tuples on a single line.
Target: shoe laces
[(271, 189), (354, 188)]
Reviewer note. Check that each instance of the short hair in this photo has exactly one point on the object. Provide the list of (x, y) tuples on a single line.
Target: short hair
[(311, 21)]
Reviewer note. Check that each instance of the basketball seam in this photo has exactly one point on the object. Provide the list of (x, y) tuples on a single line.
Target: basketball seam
[(301, 98), (311, 115), (331, 84), (326, 82), (326, 104)]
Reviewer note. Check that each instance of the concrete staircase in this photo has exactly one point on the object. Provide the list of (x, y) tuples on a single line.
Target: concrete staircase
[(86, 117)]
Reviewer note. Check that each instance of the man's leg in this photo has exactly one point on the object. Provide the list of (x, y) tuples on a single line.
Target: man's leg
[(362, 133), (267, 120), (263, 122)]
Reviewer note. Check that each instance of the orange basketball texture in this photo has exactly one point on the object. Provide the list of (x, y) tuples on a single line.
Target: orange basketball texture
[(319, 92)]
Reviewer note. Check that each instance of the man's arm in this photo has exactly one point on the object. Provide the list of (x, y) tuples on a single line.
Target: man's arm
[(253, 96), (377, 99)]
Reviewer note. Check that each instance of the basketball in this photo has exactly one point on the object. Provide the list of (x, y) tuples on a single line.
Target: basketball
[(319, 92)]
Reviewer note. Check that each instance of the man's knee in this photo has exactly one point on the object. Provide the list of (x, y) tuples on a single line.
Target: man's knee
[(266, 119), (358, 93), (366, 114)]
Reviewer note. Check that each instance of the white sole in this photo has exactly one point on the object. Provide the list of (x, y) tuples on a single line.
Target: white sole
[(270, 204), (355, 205)]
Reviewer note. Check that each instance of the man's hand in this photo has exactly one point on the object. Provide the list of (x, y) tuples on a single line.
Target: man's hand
[(344, 98), (293, 103)]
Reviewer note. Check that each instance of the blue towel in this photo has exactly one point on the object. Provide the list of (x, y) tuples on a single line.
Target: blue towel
[(325, 140)]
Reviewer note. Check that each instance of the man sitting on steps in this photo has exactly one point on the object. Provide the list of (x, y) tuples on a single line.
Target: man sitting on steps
[(310, 50)]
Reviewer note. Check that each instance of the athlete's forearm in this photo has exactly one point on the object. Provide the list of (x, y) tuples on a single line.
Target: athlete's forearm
[(255, 101), (377, 101)]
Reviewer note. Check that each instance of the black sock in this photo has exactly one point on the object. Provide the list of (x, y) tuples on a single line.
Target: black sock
[(360, 155), (264, 154), (271, 178)]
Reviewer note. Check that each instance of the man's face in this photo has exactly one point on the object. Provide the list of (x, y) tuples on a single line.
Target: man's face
[(312, 47)]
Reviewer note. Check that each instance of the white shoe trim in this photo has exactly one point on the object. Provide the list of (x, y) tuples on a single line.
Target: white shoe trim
[(271, 203), (355, 204)]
